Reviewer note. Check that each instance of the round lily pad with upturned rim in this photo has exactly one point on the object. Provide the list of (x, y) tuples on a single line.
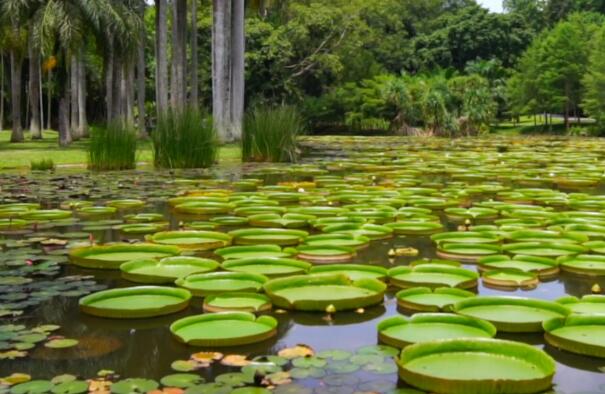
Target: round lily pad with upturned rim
[(167, 270), (352, 271), (202, 285), (125, 204), (96, 212), (46, 214), (510, 278), (112, 256), (348, 240), (268, 266), (426, 299), (224, 329), (486, 366), (135, 302), (288, 220), (467, 252), (544, 249), (277, 236), (415, 227), (433, 276), (584, 264), (236, 301), (465, 237), (141, 228), (542, 266), (511, 314), (581, 334), (317, 292), (191, 240), (588, 304), (241, 252), (400, 331), (325, 254)]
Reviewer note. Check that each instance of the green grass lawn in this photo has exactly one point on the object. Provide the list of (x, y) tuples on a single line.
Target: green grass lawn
[(20, 155), (528, 126)]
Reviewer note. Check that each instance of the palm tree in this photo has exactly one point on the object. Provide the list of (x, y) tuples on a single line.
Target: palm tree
[(35, 82), (161, 38)]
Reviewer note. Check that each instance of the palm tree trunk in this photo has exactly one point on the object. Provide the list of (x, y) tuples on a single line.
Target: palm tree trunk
[(64, 132), (128, 84), (16, 85), (179, 54), (34, 92), (49, 99), (193, 96), (162, 56), (73, 90), (141, 79), (109, 68), (1, 92), (82, 120), (237, 69), (221, 80)]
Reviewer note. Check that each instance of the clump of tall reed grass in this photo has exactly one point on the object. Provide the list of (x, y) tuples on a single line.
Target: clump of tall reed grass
[(42, 165), (270, 134), (184, 138), (113, 147)]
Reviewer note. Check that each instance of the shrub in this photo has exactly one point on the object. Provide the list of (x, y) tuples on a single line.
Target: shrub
[(42, 165), (270, 134), (184, 139), (113, 147)]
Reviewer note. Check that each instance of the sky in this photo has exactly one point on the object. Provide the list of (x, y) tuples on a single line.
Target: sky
[(492, 5)]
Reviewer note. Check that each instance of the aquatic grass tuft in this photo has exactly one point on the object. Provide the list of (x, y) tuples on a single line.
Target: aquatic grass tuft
[(270, 134), (42, 165), (184, 138), (113, 147)]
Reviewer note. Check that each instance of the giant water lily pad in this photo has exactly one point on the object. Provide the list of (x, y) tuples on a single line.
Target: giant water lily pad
[(268, 266), (341, 240), (584, 264), (167, 270), (221, 282), (191, 240), (135, 302), (465, 237), (511, 314), (352, 271), (542, 266), (277, 236), (400, 332), (224, 329), (415, 227), (430, 300), (544, 248), (588, 304), (487, 366), (112, 256), (318, 292), (236, 301), (582, 334), (325, 254), (467, 252), (433, 276), (242, 252), (510, 278)]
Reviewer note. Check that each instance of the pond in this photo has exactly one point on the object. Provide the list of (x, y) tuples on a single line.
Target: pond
[(537, 197)]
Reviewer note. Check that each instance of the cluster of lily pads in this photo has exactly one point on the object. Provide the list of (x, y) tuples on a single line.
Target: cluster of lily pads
[(501, 213)]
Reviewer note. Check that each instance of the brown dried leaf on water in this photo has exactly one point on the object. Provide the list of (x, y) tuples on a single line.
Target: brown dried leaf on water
[(15, 378), (277, 379), (235, 360), (167, 390), (403, 252), (12, 354), (54, 242), (206, 357), (99, 386), (299, 350)]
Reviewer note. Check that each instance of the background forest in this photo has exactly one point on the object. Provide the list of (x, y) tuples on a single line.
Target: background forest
[(431, 67)]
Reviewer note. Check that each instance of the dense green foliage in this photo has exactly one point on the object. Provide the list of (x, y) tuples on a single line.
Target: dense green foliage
[(270, 134), (42, 165), (112, 147), (184, 139)]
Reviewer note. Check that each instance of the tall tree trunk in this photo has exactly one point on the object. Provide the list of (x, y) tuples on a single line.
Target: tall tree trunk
[(118, 89), (162, 56), (1, 91), (109, 77), (141, 80), (16, 85), (237, 69), (49, 99), (128, 84), (82, 120), (34, 92), (64, 129), (179, 54), (567, 99), (73, 102), (221, 69), (193, 96)]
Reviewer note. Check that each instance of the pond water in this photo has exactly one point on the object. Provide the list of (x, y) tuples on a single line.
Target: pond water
[(465, 171)]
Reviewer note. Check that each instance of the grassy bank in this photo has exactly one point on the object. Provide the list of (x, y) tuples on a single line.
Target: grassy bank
[(20, 155)]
